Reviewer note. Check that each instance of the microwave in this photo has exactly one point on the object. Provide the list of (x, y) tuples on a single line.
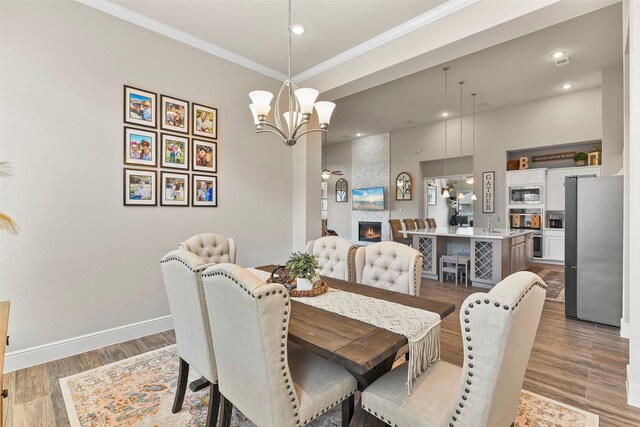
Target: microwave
[(526, 195)]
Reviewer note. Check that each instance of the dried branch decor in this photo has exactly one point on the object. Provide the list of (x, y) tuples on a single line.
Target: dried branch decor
[(6, 223)]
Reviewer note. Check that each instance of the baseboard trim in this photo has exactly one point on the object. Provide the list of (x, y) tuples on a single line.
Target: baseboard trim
[(633, 391), (31, 356), (625, 329)]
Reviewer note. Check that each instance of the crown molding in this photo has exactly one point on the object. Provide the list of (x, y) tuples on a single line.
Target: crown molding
[(173, 33), (413, 24)]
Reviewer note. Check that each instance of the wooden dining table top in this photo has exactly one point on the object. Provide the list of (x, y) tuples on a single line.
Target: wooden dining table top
[(360, 347)]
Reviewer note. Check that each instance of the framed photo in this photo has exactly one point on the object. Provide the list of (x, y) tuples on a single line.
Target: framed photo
[(175, 151), (204, 190), (323, 190), (204, 121), (174, 114), (140, 147), (205, 156), (323, 204), (403, 186), (140, 187), (432, 195), (488, 190), (140, 107), (175, 189)]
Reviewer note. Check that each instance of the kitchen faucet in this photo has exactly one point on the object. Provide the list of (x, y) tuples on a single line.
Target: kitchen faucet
[(490, 223)]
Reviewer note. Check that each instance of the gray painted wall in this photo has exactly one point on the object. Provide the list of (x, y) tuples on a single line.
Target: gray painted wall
[(339, 214), (84, 263)]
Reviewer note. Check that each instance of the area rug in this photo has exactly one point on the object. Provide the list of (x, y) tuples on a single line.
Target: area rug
[(139, 391), (555, 285)]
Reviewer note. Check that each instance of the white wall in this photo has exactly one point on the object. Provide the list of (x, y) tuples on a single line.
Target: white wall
[(339, 214), (612, 119), (83, 262), (551, 121)]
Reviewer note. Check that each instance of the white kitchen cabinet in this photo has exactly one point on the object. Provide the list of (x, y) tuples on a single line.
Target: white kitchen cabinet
[(525, 177), (553, 245), (555, 184)]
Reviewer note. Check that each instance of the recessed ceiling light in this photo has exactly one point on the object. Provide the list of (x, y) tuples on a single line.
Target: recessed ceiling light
[(445, 114), (558, 54), (359, 134), (567, 86), (297, 29)]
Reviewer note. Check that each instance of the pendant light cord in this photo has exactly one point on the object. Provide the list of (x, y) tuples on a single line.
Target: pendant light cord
[(445, 123), (460, 162), (473, 132), (289, 29)]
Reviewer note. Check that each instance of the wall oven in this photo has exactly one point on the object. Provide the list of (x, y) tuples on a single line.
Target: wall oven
[(528, 219), (531, 195)]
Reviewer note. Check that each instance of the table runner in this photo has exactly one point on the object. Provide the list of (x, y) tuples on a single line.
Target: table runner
[(420, 327)]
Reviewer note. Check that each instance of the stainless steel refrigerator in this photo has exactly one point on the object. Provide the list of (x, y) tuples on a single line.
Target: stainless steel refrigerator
[(593, 248)]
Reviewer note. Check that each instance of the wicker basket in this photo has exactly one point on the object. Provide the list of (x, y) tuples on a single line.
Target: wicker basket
[(316, 291)]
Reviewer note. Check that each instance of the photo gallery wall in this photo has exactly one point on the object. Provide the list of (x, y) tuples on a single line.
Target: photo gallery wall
[(184, 150)]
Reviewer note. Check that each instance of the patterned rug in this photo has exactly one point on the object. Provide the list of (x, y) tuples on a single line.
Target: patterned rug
[(555, 285), (139, 391)]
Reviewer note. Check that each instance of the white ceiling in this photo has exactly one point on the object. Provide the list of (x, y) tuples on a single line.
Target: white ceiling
[(257, 29), (516, 71)]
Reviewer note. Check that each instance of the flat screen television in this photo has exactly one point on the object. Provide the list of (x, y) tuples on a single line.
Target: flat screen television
[(368, 199)]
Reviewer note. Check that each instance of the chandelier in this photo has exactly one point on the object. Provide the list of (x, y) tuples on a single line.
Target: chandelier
[(300, 104)]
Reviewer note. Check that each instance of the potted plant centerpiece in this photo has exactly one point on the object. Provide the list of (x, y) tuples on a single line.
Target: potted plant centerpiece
[(303, 267), (580, 158)]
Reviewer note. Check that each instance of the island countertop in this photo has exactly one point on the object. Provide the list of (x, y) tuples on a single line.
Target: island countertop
[(475, 232)]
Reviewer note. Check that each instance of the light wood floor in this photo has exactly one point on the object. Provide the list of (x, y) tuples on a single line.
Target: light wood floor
[(578, 363)]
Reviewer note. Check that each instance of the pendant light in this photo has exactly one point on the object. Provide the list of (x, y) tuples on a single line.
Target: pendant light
[(460, 193), (445, 193), (473, 143)]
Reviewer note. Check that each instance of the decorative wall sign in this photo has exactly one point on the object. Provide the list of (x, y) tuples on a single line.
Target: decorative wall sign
[(140, 187), (140, 107), (432, 195), (174, 189), (341, 190), (174, 114), (554, 156), (488, 191), (403, 186)]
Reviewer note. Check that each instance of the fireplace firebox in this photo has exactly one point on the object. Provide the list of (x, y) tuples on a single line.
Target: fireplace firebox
[(369, 231)]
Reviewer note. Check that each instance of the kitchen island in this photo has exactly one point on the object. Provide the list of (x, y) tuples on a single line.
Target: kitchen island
[(494, 255)]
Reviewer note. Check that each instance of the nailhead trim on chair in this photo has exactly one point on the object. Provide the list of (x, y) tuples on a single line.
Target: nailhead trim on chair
[(283, 365), (166, 260), (467, 330), (417, 274)]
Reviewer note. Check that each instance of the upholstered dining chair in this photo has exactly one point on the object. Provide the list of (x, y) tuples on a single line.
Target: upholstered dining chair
[(498, 330), (409, 224), (396, 232), (183, 283), (390, 265), (431, 222), (271, 381), (211, 247), (420, 223), (336, 257)]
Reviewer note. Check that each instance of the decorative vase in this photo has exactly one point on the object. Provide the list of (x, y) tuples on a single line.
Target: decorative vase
[(581, 162), (303, 284)]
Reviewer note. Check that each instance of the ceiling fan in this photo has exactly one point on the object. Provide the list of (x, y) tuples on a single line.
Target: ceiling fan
[(326, 173)]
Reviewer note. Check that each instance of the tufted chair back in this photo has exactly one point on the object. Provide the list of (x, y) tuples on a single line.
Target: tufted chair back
[(183, 283), (249, 322), (336, 257), (409, 224), (420, 223), (498, 330), (431, 222), (212, 248), (390, 265)]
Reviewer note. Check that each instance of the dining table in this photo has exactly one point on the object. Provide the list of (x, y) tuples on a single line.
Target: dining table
[(366, 351)]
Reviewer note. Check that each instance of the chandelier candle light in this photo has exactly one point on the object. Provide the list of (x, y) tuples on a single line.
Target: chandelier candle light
[(300, 103)]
